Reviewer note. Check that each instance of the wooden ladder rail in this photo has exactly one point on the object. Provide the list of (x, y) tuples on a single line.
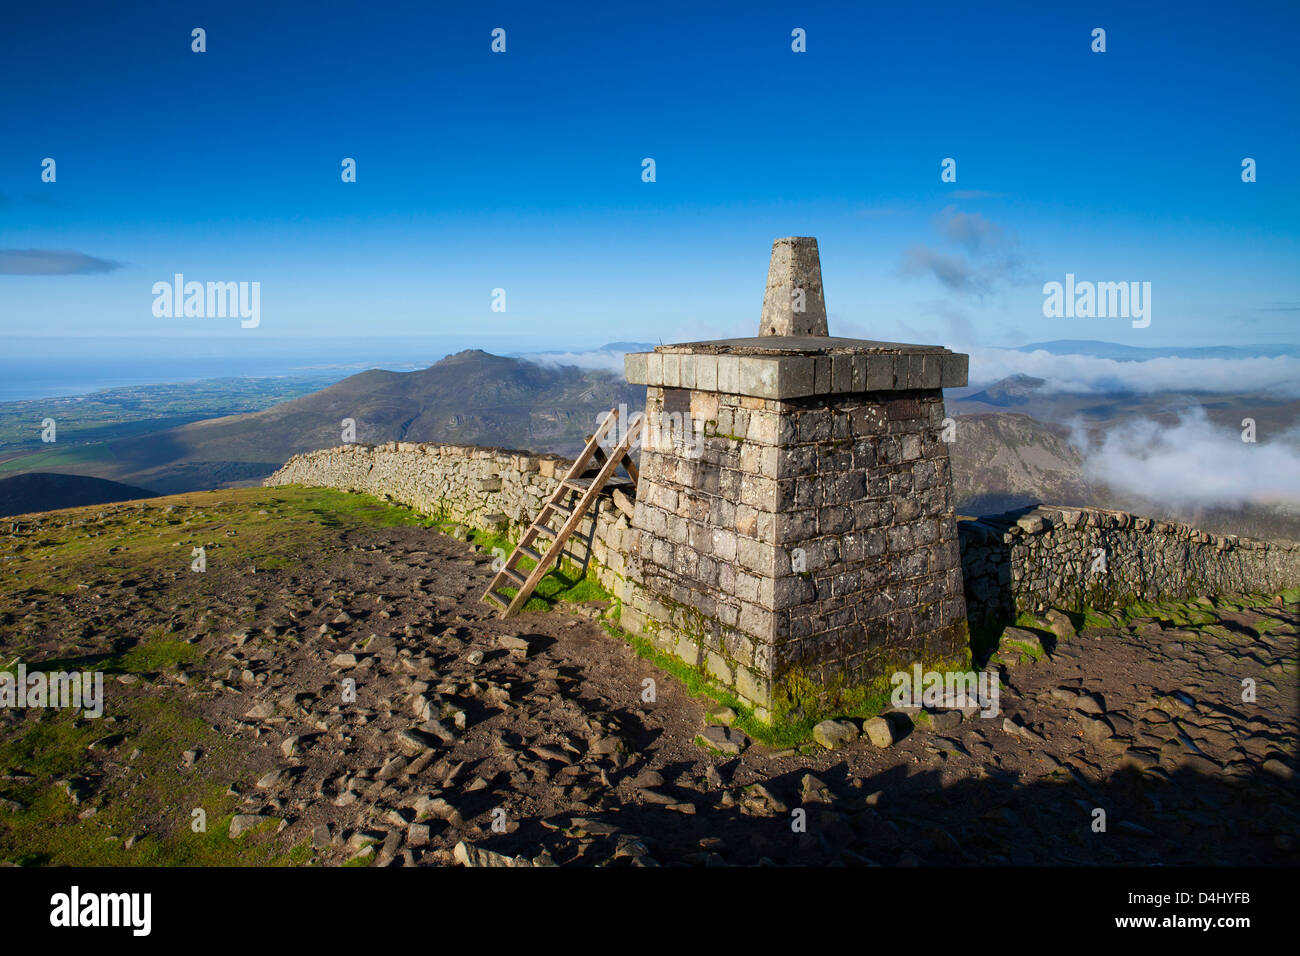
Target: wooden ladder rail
[(586, 540), (625, 460), (543, 561)]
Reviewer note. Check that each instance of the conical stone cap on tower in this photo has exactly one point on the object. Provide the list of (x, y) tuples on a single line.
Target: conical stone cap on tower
[(793, 303)]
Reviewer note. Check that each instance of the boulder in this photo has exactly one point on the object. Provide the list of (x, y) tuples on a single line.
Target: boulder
[(834, 734), (879, 731)]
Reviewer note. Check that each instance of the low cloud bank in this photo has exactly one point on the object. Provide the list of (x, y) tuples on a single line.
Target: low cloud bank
[(1070, 374), (607, 359), (1086, 375), (1195, 463)]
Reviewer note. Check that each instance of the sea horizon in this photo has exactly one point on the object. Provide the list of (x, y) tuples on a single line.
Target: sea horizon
[(39, 367)]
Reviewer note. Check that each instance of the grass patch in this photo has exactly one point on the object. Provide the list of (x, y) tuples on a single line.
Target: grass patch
[(154, 656), (78, 806), (1266, 625), (564, 583), (266, 528), (1024, 649), (1094, 618), (154, 801), (1185, 614)]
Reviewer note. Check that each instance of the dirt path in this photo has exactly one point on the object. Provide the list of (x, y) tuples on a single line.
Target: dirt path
[(537, 725)]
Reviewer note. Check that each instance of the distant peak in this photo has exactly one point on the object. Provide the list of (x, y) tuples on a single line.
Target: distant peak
[(1012, 390), (468, 355)]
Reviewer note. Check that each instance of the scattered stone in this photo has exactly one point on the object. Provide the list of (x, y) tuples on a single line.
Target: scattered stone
[(1017, 730), (467, 854), (508, 731), (944, 721), (271, 780), (759, 798), (725, 739), (1060, 624), (321, 837), (414, 741), (814, 790), (364, 838), (1089, 703), (1278, 769), (879, 731), (648, 778), (834, 734), (1093, 729), (517, 646), (724, 716), (367, 852), (440, 808), (654, 796)]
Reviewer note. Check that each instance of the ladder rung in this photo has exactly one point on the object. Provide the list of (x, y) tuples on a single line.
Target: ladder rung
[(589, 489)]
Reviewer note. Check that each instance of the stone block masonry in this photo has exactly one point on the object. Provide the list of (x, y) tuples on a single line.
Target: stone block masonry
[(811, 537), (809, 548), (1019, 561), (793, 303)]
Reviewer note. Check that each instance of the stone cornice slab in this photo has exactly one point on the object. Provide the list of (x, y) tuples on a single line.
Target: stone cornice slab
[(785, 367)]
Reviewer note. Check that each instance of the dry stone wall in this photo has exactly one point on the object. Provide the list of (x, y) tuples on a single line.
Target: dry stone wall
[(1052, 556), (490, 489), (1021, 561)]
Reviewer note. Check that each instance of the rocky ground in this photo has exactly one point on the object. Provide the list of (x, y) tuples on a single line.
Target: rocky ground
[(485, 742)]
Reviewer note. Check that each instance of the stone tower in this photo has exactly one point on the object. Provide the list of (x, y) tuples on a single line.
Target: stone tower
[(794, 529), (793, 303)]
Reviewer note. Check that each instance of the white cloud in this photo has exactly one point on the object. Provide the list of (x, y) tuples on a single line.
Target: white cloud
[(1086, 375), (610, 361), (1195, 463)]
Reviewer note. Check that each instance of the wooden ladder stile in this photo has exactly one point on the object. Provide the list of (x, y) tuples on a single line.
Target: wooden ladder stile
[(509, 575)]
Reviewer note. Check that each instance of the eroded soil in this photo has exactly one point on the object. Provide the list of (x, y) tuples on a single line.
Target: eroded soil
[(227, 691)]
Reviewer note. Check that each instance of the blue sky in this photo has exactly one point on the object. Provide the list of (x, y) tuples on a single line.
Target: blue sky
[(522, 170)]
